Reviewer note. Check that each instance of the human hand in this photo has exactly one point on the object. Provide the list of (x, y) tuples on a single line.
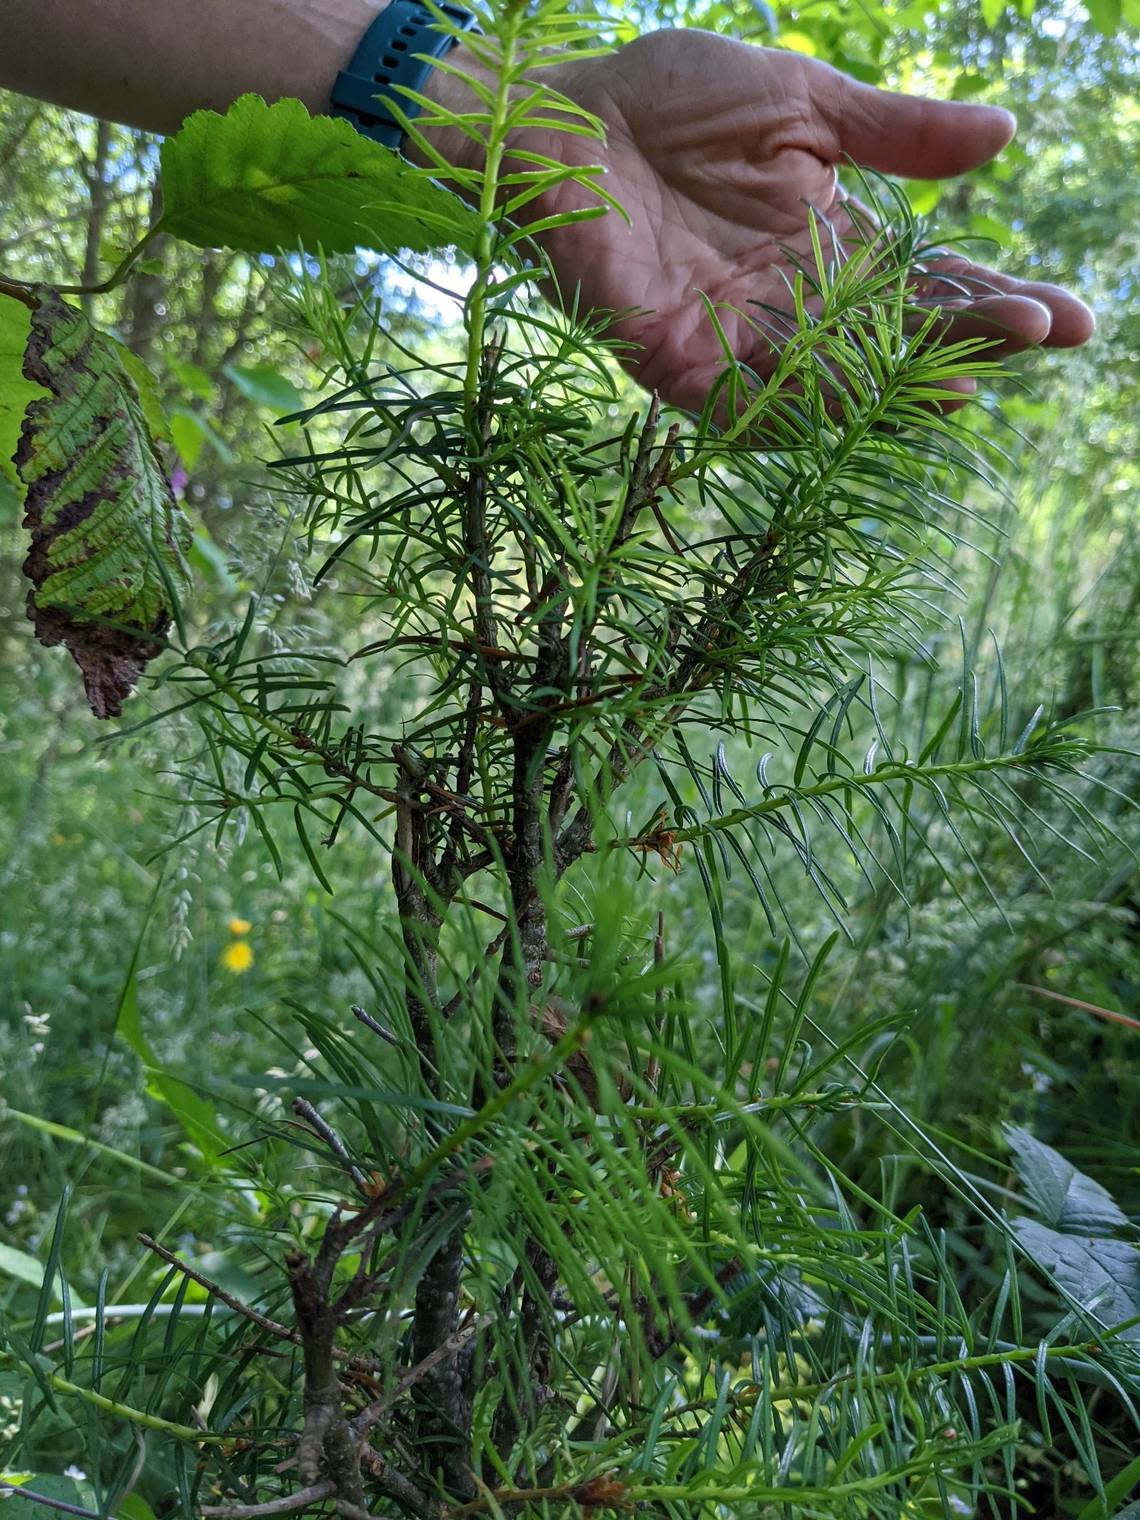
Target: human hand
[(717, 149)]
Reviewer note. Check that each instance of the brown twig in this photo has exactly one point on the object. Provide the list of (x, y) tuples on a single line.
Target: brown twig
[(326, 1441), (27, 295), (1071, 1002), (287, 1504), (425, 641), (456, 1002), (375, 1025), (305, 1110), (395, 1486), (374, 1412), (12, 1490), (354, 1361), (271, 1326), (603, 1491)]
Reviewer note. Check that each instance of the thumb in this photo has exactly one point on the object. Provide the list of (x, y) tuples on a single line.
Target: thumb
[(906, 134)]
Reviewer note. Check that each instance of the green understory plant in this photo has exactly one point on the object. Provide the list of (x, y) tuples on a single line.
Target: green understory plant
[(546, 1229)]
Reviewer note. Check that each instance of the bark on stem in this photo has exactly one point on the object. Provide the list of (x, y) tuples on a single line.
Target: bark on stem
[(326, 1441), (442, 1420)]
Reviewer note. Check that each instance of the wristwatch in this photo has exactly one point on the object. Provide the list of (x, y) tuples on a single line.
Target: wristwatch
[(392, 52)]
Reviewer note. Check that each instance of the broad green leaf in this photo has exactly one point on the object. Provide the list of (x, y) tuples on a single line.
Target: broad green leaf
[(968, 84), (190, 433), (1065, 1198), (16, 390), (193, 1113), (113, 250), (798, 42), (15, 324), (1104, 1274), (10, 500), (272, 176), (1105, 15), (193, 377), (991, 12), (991, 228), (859, 68), (108, 539), (209, 560), (266, 386), (189, 437), (27, 1269), (21, 1266), (133, 1507), (923, 195)]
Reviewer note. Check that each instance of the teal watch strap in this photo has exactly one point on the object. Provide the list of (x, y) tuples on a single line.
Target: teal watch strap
[(392, 52)]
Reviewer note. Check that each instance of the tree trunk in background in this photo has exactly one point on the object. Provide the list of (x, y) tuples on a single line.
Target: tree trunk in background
[(214, 267), (146, 290), (100, 194)]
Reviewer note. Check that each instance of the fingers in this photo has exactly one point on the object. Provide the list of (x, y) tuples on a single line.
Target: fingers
[(1009, 324), (979, 301), (960, 285), (905, 134)]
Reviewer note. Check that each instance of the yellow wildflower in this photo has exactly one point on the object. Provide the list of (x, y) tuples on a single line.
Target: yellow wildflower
[(240, 926), (238, 956)]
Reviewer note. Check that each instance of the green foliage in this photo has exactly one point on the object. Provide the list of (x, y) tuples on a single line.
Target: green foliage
[(20, 1265), (266, 386), (1072, 1238), (271, 176), (194, 1114)]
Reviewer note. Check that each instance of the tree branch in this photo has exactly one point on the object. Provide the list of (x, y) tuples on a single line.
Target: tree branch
[(288, 1504), (14, 1490)]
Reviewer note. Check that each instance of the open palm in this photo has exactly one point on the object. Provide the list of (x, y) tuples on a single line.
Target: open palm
[(717, 150)]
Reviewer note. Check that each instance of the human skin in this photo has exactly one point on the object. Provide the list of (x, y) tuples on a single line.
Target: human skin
[(715, 148)]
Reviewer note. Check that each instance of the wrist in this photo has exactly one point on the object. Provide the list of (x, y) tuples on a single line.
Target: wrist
[(450, 90)]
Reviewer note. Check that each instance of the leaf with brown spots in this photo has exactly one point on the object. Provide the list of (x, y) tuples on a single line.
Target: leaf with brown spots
[(107, 561)]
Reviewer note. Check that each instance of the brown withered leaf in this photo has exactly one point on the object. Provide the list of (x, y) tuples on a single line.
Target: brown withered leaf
[(552, 1020)]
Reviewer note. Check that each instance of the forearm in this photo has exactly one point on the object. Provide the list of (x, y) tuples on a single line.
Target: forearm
[(149, 63)]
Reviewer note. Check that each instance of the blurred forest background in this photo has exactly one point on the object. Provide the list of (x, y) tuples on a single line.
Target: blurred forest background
[(120, 917)]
